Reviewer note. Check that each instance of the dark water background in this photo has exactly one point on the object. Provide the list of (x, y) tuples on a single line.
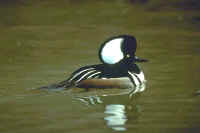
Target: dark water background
[(42, 42)]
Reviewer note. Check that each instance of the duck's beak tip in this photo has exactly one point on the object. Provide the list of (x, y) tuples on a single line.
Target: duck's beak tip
[(137, 59)]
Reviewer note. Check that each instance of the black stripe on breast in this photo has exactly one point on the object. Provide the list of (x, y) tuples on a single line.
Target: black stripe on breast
[(137, 78), (132, 79)]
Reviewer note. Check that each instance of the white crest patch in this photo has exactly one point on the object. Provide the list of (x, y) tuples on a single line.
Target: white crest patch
[(111, 52)]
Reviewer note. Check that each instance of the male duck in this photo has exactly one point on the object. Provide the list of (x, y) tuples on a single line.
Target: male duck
[(118, 68)]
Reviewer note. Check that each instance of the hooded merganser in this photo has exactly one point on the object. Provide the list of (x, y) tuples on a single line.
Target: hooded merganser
[(118, 68)]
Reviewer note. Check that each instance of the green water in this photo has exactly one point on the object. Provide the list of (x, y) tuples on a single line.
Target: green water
[(42, 42)]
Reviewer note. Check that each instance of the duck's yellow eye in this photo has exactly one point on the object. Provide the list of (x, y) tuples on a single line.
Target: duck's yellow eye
[(127, 55)]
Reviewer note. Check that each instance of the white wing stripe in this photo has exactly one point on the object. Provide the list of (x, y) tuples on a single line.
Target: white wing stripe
[(93, 74), (84, 76), (74, 76)]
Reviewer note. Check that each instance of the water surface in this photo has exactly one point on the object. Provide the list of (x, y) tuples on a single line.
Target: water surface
[(42, 42)]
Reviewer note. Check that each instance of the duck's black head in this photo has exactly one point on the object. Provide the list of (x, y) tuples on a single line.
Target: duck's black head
[(118, 49)]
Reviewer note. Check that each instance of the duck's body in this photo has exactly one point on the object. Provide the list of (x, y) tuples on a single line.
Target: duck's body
[(102, 76), (105, 76), (118, 69), (121, 83), (136, 82)]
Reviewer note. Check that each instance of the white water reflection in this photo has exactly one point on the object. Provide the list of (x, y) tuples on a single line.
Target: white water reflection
[(116, 117)]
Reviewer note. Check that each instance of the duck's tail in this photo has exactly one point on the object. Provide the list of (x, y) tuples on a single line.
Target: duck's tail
[(61, 85)]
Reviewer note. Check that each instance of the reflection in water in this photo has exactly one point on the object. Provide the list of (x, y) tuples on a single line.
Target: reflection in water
[(93, 100), (116, 117), (115, 114)]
